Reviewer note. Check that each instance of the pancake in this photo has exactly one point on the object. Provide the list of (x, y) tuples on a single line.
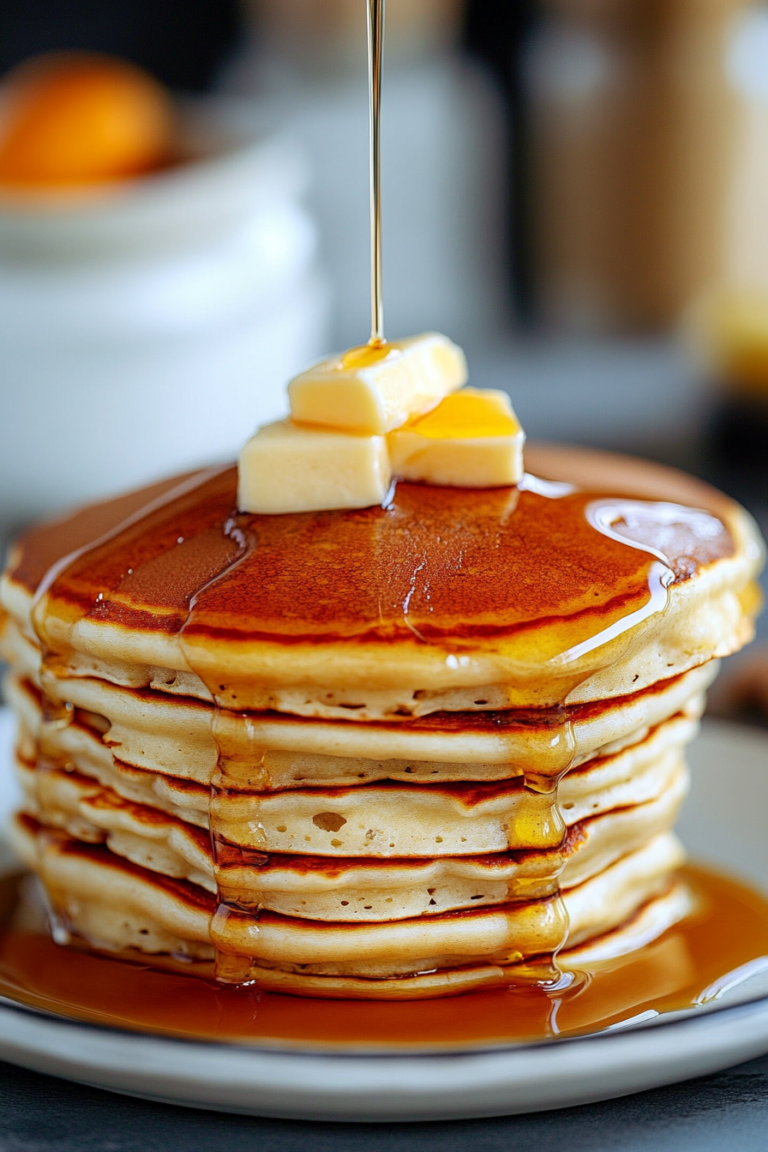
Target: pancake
[(176, 736), (347, 888), (484, 815), (393, 752), (539, 590)]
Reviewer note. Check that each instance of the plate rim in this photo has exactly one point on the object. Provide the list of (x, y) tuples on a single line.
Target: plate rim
[(413, 1087)]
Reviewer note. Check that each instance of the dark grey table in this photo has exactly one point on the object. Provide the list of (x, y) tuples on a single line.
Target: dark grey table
[(723, 1113)]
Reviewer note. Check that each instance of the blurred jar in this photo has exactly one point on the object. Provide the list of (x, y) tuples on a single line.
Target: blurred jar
[(730, 320), (149, 327), (745, 259), (633, 124)]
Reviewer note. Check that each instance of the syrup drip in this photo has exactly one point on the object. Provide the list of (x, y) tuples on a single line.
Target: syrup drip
[(680, 970), (435, 568)]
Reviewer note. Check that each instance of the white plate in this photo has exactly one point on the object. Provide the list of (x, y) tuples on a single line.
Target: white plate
[(723, 823)]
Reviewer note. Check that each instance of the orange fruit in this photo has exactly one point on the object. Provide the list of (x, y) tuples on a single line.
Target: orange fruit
[(76, 119)]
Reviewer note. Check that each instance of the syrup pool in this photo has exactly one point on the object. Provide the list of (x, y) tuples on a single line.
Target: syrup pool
[(680, 970)]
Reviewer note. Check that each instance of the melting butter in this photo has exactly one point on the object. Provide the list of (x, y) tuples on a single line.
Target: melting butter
[(375, 388), (472, 439), (289, 468)]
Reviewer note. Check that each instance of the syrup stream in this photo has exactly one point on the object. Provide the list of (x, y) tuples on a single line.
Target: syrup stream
[(375, 51)]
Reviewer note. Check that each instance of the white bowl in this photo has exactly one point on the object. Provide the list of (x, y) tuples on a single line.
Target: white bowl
[(233, 168), (150, 328)]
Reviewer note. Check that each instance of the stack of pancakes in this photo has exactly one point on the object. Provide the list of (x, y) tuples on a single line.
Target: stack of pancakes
[(392, 752)]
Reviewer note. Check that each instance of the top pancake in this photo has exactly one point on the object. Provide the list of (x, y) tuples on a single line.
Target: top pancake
[(633, 574)]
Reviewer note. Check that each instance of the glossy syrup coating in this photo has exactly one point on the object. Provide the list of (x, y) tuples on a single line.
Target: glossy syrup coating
[(434, 566), (437, 564)]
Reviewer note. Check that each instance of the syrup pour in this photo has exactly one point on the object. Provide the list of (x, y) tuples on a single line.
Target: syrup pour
[(677, 971), (190, 571), (375, 60), (415, 573)]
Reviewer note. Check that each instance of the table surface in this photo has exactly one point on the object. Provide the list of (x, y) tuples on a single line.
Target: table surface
[(727, 1111)]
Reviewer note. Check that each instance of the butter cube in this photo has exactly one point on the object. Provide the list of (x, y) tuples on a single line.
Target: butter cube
[(374, 390), (472, 439), (288, 468)]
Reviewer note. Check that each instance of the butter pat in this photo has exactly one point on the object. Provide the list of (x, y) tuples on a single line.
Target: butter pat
[(287, 468), (374, 390), (472, 439)]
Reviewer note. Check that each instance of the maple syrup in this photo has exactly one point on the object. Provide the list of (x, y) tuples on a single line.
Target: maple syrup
[(681, 969), (435, 567)]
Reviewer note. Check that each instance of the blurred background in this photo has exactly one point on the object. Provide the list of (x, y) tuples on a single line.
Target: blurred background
[(575, 190)]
